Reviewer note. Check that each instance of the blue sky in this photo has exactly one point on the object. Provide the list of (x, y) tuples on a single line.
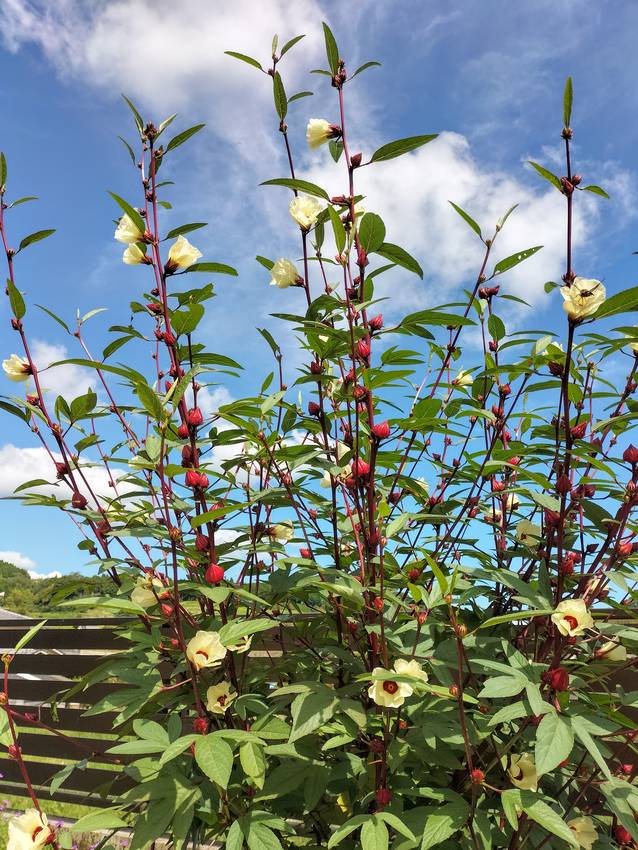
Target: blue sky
[(487, 75)]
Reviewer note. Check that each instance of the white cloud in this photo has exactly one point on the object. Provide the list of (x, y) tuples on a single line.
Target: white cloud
[(18, 465), (68, 380), (37, 576), (17, 559)]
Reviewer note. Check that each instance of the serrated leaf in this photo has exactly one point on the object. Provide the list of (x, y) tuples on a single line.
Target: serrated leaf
[(253, 762), (552, 178), (150, 402), (33, 237), (371, 232), (554, 743), (332, 51), (546, 817), (514, 259), (401, 146), (299, 186), (400, 257), (243, 58), (568, 97), (16, 300), (289, 44), (502, 686), (279, 94), (374, 835), (182, 137), (468, 219), (215, 758)]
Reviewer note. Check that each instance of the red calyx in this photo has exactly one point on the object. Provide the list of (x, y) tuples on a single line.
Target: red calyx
[(383, 796), (78, 501), (477, 776), (200, 725), (314, 409), (622, 835), (202, 542), (305, 553), (194, 416), (376, 323), (360, 469), (192, 478), (381, 431), (630, 455), (182, 432), (363, 349), (214, 573), (579, 431), (557, 679)]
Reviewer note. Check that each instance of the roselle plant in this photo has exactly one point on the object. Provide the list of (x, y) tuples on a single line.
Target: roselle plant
[(398, 612)]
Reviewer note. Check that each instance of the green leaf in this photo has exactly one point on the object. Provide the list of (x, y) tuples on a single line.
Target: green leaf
[(299, 186), (182, 137), (623, 302), (130, 211), (215, 758), (279, 93), (467, 218), (150, 401), (22, 201), (583, 735), (16, 300), (26, 638), (496, 327), (514, 260), (441, 826), (345, 829), (338, 229), (401, 146), (33, 237), (3, 172), (552, 178), (502, 686), (290, 44), (400, 257), (136, 115), (597, 190), (364, 67), (310, 711), (546, 817), (568, 97), (554, 742), (371, 232), (105, 819), (233, 632), (243, 58), (185, 321), (253, 762), (298, 96), (185, 228), (235, 837), (332, 51), (260, 837), (374, 834), (212, 268)]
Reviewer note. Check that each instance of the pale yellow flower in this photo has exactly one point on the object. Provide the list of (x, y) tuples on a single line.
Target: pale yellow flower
[(528, 532), (410, 668), (634, 345), (243, 645), (582, 298), (463, 379), (284, 274), (127, 231), (182, 254), (571, 617), (612, 651), (318, 132), (142, 593), (305, 210), (133, 255), (512, 502), (522, 772), (282, 532), (388, 693), (584, 831), (205, 649), (16, 368), (219, 697), (344, 473), (29, 831)]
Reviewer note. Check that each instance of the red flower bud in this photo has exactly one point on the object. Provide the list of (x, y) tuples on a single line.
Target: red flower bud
[(622, 835), (359, 393), (360, 469), (167, 610), (200, 725), (555, 368), (624, 548), (552, 518), (182, 432), (78, 501), (563, 484), (214, 573), (203, 481), (477, 776), (192, 478), (194, 416), (201, 542), (169, 339), (579, 431), (316, 368), (376, 323), (414, 575), (155, 308), (630, 455), (314, 409), (557, 679), (305, 553), (381, 431), (378, 603), (363, 349), (13, 751), (383, 796)]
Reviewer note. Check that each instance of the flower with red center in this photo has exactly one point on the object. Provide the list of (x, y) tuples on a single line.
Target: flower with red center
[(522, 772), (381, 431), (214, 573), (29, 831), (194, 416), (219, 697), (205, 649), (571, 617)]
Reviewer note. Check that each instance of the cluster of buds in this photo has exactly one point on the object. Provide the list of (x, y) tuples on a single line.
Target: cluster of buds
[(197, 480)]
